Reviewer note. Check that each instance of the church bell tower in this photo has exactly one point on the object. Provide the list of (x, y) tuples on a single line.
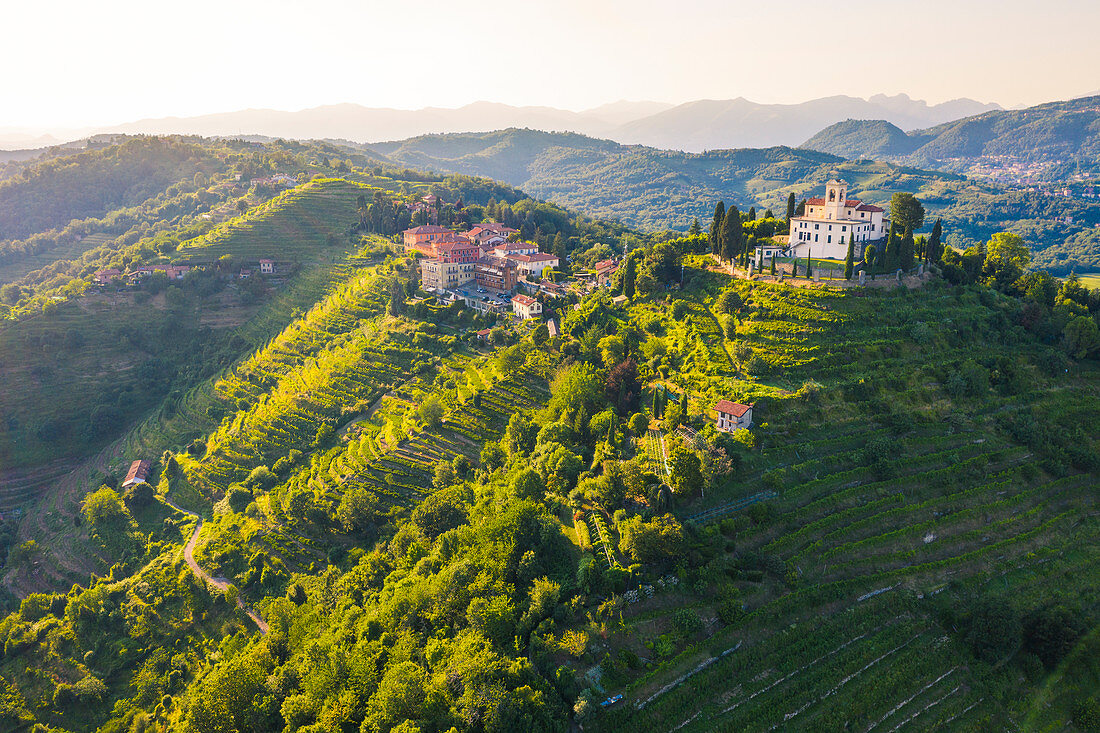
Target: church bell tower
[(836, 194)]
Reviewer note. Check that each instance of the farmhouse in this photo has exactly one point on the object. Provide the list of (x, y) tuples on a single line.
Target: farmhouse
[(824, 229), (733, 416), (525, 307), (102, 277), (139, 471), (267, 267)]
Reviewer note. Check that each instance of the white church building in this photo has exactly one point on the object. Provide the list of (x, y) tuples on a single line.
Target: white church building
[(824, 229)]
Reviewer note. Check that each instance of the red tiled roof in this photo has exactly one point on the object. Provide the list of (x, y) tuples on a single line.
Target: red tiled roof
[(732, 408), (868, 207), (605, 264), (537, 257), (457, 242), (427, 229), (815, 201), (523, 299)]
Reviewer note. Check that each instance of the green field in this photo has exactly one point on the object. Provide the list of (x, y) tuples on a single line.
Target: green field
[(1090, 280)]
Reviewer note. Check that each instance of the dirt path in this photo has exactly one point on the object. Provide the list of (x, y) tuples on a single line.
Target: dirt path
[(220, 583)]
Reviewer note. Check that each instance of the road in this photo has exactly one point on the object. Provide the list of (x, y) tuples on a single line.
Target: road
[(219, 583)]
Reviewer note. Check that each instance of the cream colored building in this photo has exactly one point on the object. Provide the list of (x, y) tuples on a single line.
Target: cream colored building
[(824, 229), (440, 275)]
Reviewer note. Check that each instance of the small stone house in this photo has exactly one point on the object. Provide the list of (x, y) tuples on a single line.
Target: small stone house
[(733, 416)]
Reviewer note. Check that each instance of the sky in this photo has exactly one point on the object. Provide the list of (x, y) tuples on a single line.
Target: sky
[(74, 63)]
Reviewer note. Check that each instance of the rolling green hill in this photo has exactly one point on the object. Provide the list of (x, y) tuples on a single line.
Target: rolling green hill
[(867, 139)]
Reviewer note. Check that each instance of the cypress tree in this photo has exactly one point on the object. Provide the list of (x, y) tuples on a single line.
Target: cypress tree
[(731, 234), (695, 229), (906, 250), (790, 207), (800, 210), (869, 257), (890, 254), (849, 260), (809, 269), (629, 274), (934, 250), (773, 265), (752, 213), (716, 229)]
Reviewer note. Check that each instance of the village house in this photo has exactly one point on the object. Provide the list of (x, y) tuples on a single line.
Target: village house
[(824, 229), (604, 270), (490, 234), (267, 267), (283, 179), (733, 416), (498, 273), (422, 238), (483, 334), (510, 249), (534, 264), (525, 307), (452, 266), (139, 471), (102, 277)]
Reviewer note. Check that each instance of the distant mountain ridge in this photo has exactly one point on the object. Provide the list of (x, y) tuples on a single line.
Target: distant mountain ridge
[(692, 126), (736, 123), (1056, 139)]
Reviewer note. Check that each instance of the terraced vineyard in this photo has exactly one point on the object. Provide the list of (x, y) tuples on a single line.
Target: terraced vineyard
[(304, 224), (893, 499)]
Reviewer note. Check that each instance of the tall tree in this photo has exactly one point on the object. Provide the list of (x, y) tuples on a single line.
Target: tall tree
[(695, 229), (906, 211), (397, 297), (889, 253), (849, 262), (934, 250), (790, 207), (716, 228), (870, 254), (752, 213), (732, 235), (629, 275), (800, 210), (809, 267), (906, 250)]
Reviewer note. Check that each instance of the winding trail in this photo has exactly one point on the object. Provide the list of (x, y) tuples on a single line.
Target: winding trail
[(220, 583)]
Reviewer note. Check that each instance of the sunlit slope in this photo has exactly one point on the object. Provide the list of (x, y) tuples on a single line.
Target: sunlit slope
[(309, 223), (928, 452)]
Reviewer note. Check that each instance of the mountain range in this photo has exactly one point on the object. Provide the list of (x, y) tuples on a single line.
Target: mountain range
[(692, 126), (1051, 141)]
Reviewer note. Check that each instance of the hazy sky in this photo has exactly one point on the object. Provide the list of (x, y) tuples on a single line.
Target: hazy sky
[(74, 62)]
